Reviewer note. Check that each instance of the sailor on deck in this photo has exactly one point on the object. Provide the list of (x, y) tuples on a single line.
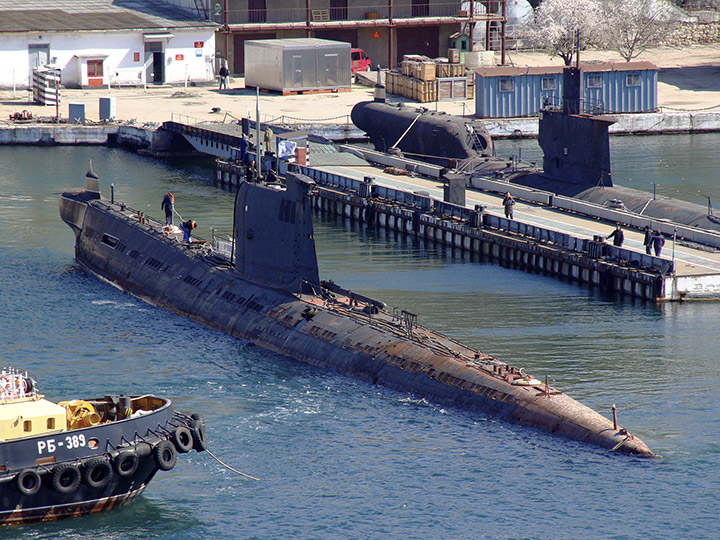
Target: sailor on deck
[(168, 204), (186, 227)]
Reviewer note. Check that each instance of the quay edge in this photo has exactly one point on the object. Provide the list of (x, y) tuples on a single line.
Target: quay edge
[(157, 142)]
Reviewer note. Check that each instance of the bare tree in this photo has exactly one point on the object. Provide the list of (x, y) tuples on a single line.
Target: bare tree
[(631, 26), (557, 25)]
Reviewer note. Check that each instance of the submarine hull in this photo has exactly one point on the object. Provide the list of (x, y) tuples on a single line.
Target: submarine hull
[(331, 331), (431, 136)]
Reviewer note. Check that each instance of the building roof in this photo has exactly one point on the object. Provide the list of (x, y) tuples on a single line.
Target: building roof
[(586, 67), (74, 15)]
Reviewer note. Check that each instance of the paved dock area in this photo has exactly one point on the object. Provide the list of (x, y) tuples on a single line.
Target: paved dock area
[(689, 81)]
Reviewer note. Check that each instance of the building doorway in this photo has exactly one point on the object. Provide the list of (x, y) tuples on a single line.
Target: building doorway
[(425, 41), (156, 69), (95, 73)]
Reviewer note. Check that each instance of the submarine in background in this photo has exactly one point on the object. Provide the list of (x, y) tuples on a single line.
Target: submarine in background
[(575, 145), (268, 291), (435, 137)]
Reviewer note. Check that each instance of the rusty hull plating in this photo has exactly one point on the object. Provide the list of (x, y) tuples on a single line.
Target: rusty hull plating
[(271, 296)]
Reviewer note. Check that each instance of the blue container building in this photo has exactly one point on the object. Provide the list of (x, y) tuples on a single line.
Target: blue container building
[(509, 92)]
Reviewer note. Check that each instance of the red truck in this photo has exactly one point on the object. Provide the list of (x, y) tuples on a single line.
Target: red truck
[(360, 61)]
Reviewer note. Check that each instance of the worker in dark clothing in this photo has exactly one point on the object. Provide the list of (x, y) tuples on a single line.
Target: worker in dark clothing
[(251, 172), (224, 73), (617, 235), (508, 203), (187, 227), (647, 241), (657, 243), (168, 204)]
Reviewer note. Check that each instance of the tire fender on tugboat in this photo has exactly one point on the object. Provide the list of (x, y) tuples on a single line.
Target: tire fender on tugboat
[(65, 478), (28, 482), (126, 462), (183, 440), (197, 426), (165, 455), (98, 472)]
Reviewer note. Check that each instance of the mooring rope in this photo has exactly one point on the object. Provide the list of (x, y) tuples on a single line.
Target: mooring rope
[(229, 467)]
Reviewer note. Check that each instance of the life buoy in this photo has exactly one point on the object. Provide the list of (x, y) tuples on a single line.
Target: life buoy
[(65, 478), (197, 427), (183, 440), (126, 463), (165, 455), (28, 482), (98, 472)]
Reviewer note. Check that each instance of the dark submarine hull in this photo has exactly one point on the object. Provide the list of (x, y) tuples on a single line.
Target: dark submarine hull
[(303, 319), (435, 137)]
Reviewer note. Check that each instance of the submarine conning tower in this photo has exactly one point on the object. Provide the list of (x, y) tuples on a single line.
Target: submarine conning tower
[(274, 242), (435, 137), (576, 145)]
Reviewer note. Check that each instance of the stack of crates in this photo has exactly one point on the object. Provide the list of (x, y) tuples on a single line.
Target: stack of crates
[(424, 80)]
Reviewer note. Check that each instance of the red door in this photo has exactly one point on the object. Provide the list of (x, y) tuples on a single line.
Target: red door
[(95, 73)]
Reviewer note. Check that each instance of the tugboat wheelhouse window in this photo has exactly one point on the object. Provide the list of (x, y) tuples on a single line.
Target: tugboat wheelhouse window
[(109, 241), (51, 423), (27, 425)]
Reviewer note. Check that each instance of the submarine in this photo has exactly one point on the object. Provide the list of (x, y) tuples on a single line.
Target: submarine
[(268, 291), (575, 145), (435, 137)]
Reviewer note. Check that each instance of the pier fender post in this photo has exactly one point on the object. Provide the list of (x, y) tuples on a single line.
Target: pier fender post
[(416, 221)]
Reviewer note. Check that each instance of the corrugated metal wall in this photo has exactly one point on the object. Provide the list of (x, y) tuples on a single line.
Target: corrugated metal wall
[(494, 98)]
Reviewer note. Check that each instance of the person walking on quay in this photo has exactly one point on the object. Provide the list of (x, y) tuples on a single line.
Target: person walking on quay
[(657, 243), (224, 73), (508, 203), (168, 204), (617, 235), (647, 242)]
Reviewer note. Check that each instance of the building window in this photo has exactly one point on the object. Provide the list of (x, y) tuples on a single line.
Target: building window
[(257, 12), (95, 68), (420, 8), (338, 10), (548, 83), (633, 79), (507, 84), (594, 81)]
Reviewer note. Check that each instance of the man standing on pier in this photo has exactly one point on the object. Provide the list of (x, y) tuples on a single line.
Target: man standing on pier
[(617, 235), (508, 203)]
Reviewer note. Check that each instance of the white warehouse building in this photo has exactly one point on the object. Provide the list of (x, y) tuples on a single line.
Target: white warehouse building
[(97, 43)]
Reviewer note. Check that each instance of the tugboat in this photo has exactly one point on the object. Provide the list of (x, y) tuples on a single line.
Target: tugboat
[(86, 455)]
